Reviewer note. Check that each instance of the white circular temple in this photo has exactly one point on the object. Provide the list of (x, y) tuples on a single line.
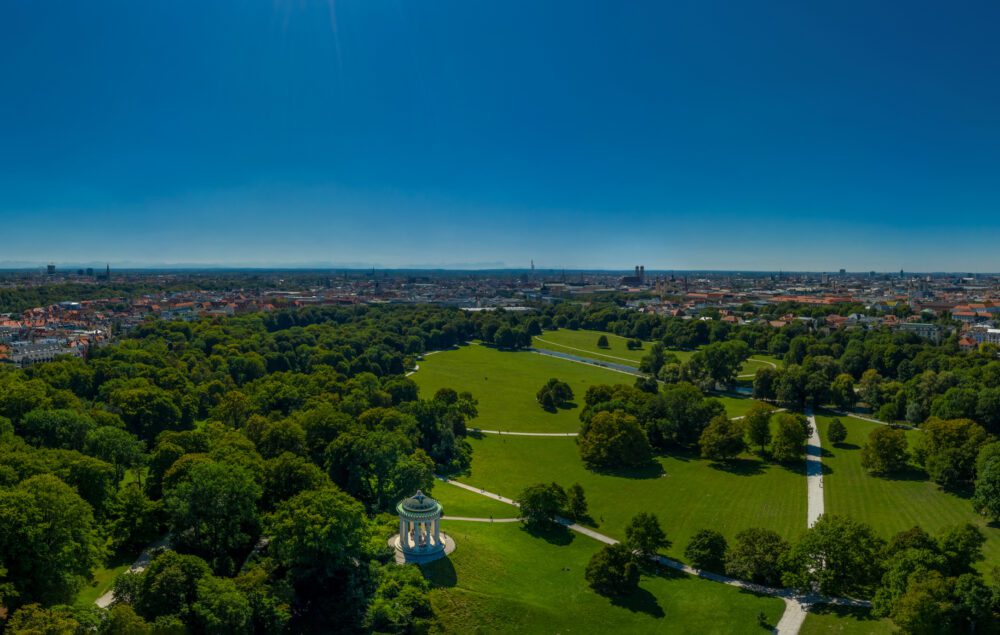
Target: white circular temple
[(420, 538)]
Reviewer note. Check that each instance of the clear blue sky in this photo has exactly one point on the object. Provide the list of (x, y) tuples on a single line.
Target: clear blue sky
[(701, 134)]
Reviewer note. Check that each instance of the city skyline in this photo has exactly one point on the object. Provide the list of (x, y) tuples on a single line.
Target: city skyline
[(696, 136)]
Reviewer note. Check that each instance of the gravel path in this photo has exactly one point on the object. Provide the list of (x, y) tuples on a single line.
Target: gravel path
[(482, 520), (795, 604), (814, 473)]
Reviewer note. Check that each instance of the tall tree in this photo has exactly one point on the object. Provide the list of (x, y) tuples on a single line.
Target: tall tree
[(885, 451), (48, 540), (722, 440)]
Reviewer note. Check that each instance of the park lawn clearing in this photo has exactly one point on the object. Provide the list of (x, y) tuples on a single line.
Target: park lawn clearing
[(686, 493), (891, 505), (584, 343), (102, 579), (503, 579), (460, 502), (845, 620), (736, 405), (506, 382)]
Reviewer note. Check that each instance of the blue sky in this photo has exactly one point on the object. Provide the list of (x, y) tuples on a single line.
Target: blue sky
[(702, 134)]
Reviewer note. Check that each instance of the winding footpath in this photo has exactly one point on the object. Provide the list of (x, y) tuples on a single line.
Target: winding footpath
[(795, 604)]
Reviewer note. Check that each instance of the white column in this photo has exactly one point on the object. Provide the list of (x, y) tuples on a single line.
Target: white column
[(437, 531), (402, 533)]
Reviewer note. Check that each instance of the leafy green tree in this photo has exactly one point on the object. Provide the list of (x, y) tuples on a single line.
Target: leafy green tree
[(707, 550), (401, 602), (602, 342), (66, 429), (576, 502), (214, 510), (757, 425), (974, 600), (949, 449), (988, 409), (123, 620), (379, 467), (613, 571), (115, 446), (722, 440), (281, 436), (644, 535), (885, 451), (613, 440), (955, 403), (790, 439), (147, 411), (837, 556), (842, 392), (987, 494), (221, 607), (680, 414), (836, 432), (167, 587), (34, 619), (48, 540), (318, 534), (137, 520), (765, 384), (926, 607), (651, 363), (541, 503), (791, 386), (554, 394), (287, 475), (756, 556), (962, 546)]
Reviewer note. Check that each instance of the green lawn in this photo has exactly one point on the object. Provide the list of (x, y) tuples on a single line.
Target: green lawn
[(736, 406), (505, 383), (891, 505), (584, 343), (826, 618), (459, 502), (101, 581), (686, 493), (502, 579)]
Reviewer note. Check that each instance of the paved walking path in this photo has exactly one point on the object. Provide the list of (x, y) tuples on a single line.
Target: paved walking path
[(814, 472), (138, 566), (482, 520), (613, 367), (795, 604), (630, 362)]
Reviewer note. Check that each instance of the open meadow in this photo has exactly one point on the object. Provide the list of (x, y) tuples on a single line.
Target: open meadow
[(505, 383), (896, 503), (685, 492), (503, 579), (583, 342)]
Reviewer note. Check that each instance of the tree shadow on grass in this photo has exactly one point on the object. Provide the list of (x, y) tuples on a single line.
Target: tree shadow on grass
[(653, 469), (553, 534), (739, 467), (856, 613), (639, 601), (440, 573), (846, 446), (914, 474)]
